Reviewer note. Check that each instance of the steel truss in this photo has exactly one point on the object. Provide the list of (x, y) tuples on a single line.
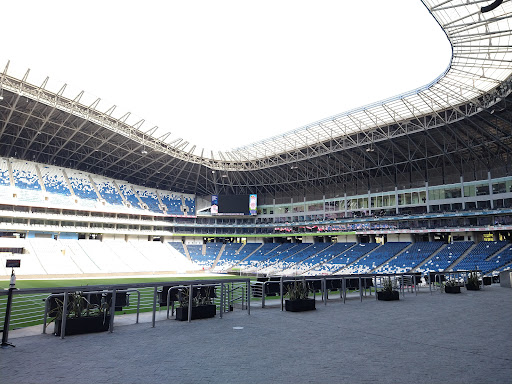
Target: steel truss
[(459, 124)]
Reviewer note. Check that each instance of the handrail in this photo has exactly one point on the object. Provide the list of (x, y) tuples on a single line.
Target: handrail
[(114, 288)]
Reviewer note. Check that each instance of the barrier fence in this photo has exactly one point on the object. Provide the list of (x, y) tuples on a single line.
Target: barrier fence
[(32, 306)]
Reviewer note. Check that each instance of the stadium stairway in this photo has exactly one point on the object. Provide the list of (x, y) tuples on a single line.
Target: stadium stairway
[(392, 257), (462, 257), (458, 260), (345, 269), (427, 259), (218, 256), (243, 249)]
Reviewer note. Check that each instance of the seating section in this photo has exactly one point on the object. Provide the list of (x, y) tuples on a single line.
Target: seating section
[(26, 181), (25, 176), (46, 256), (229, 257), (190, 203), (445, 257), (163, 257), (376, 258), (278, 261), (61, 186), (55, 185), (476, 258), (82, 186), (230, 260), (129, 195), (108, 191), (498, 261), (52, 256), (5, 179), (204, 255), (173, 203), (320, 263), (289, 266), (348, 257), (278, 253), (178, 245), (150, 198), (410, 258), (263, 253)]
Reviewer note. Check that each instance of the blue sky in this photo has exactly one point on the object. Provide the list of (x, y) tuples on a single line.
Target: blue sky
[(220, 74)]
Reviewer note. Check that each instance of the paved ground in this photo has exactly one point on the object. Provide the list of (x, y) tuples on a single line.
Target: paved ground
[(425, 338)]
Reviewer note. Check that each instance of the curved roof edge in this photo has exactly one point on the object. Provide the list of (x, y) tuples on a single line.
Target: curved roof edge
[(480, 63)]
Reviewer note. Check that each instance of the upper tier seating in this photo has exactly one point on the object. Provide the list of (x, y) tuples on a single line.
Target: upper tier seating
[(56, 185), (475, 259), (410, 258), (129, 195), (108, 191), (150, 198), (173, 203), (320, 263), (27, 182), (445, 257), (190, 203), (82, 186), (25, 175), (376, 258), (5, 179)]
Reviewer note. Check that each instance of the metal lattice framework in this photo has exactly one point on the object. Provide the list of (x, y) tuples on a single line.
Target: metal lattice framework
[(459, 124)]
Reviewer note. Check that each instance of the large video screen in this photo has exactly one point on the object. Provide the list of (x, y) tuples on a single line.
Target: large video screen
[(234, 204)]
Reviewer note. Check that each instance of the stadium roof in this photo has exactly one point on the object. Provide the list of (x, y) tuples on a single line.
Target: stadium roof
[(477, 78)]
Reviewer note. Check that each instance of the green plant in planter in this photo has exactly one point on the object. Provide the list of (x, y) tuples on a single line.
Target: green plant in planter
[(298, 297), (473, 283), (81, 316), (388, 292), (298, 291), (201, 297), (451, 286), (388, 285), (202, 304)]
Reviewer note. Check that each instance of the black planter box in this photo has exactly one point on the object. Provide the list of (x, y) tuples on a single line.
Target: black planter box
[(449, 289), (200, 312), (471, 287), (487, 280), (388, 296), (84, 324), (299, 305)]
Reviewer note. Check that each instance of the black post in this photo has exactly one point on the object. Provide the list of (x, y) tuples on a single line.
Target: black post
[(7, 320)]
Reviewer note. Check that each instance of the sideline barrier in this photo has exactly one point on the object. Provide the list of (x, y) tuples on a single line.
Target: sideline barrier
[(363, 283), (39, 298)]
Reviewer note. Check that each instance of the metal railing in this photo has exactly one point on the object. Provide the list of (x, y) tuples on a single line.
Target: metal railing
[(405, 282), (30, 306)]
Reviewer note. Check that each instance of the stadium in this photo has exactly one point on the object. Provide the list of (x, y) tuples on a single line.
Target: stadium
[(418, 183)]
